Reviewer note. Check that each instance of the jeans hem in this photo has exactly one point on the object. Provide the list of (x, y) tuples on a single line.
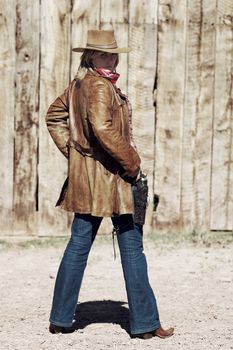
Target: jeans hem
[(60, 324), (155, 326)]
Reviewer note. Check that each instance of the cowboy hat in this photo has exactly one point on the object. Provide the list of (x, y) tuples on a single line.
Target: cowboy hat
[(102, 40)]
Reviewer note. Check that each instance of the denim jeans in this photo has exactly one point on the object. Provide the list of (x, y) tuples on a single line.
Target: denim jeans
[(143, 310)]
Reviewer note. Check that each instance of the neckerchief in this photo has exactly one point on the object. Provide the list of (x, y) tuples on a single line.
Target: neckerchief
[(108, 74)]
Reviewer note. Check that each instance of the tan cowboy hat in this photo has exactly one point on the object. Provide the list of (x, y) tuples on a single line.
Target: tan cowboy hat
[(102, 40)]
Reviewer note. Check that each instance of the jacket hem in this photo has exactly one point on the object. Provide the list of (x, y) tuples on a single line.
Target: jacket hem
[(99, 214)]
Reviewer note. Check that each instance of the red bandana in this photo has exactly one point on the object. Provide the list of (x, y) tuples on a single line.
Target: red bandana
[(108, 74)]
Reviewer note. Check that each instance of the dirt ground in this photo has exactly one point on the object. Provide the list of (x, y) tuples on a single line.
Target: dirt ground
[(193, 284)]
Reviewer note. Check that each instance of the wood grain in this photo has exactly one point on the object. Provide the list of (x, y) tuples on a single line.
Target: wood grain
[(198, 115), (222, 164), (169, 110), (142, 67), (142, 12), (7, 101), (85, 15), (140, 86), (185, 142), (115, 15), (26, 116), (54, 77)]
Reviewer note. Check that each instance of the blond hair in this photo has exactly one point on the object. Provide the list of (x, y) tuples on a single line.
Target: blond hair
[(86, 64)]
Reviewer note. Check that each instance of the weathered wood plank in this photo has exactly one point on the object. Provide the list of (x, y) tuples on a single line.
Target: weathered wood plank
[(114, 11), (198, 115), (26, 116), (194, 86), (142, 65), (115, 15), (170, 95), (143, 12), (222, 164), (85, 15), (7, 99), (54, 77)]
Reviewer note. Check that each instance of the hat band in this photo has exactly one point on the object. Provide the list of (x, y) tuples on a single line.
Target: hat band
[(109, 46)]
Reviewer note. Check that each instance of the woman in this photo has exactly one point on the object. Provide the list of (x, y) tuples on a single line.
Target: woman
[(91, 125)]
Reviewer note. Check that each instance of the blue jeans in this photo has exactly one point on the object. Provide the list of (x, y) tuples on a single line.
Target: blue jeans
[(143, 310)]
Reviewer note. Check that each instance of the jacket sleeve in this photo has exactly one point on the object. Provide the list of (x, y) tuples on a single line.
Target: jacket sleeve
[(57, 122), (100, 117)]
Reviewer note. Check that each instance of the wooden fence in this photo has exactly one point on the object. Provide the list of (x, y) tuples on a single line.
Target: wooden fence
[(182, 49)]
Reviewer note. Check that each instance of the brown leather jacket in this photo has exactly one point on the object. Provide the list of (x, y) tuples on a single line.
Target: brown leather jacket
[(89, 124)]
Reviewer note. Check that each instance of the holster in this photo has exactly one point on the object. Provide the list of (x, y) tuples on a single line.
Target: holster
[(140, 198)]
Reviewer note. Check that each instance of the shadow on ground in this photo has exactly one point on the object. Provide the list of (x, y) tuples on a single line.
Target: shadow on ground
[(104, 311)]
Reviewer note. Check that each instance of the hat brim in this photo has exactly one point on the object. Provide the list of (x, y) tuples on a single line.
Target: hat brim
[(116, 50)]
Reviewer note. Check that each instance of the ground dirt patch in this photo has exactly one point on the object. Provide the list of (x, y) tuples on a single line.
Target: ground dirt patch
[(192, 280)]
